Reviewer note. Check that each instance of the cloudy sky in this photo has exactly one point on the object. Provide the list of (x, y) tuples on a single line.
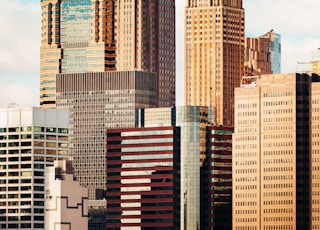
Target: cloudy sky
[(20, 20)]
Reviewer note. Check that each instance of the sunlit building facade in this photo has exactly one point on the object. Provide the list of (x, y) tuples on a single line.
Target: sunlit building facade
[(315, 61), (143, 179), (192, 121), (274, 136), (315, 156), (66, 202), (274, 50), (30, 140), (95, 36), (98, 101), (257, 56), (214, 55)]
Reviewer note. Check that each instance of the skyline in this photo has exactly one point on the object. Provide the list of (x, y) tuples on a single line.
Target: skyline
[(21, 27)]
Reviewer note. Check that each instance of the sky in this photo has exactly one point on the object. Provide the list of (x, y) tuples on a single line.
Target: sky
[(298, 23)]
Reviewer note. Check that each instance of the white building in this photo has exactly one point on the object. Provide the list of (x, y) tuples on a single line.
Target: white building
[(30, 140), (66, 201)]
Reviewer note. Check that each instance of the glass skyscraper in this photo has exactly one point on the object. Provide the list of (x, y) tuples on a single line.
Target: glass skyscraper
[(192, 121), (274, 50)]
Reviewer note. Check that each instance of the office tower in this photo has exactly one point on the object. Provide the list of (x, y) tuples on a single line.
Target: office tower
[(216, 179), (98, 101), (275, 50), (315, 156), (143, 179), (214, 55), (315, 61), (257, 56), (96, 36), (30, 140), (271, 152), (192, 121), (66, 201)]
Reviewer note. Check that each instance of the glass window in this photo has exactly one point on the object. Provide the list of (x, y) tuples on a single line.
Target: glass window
[(50, 130), (61, 130), (26, 129), (38, 129)]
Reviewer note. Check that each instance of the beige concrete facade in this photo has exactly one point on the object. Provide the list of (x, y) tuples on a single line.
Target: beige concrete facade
[(271, 167), (315, 153), (214, 55)]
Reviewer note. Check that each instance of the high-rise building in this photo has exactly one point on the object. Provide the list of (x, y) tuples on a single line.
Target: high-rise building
[(274, 50), (257, 57), (143, 178), (315, 61), (272, 179), (30, 140), (173, 171), (192, 122), (66, 201), (214, 55), (263, 54), (315, 156), (95, 36), (216, 179), (98, 101)]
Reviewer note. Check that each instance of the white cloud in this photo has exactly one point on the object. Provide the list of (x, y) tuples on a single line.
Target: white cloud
[(20, 24)]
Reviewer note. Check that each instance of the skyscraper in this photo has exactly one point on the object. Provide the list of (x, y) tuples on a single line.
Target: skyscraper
[(257, 57), (214, 55), (192, 121), (143, 178), (272, 182), (216, 179), (275, 50), (95, 36), (30, 140), (98, 101)]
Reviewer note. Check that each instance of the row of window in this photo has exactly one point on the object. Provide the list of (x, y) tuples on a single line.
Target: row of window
[(35, 129)]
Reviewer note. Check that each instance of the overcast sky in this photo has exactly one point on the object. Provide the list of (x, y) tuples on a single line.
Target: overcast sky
[(298, 23)]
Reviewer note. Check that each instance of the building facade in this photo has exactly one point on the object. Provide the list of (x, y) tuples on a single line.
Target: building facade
[(66, 202), (30, 139), (271, 165), (275, 50), (98, 101), (143, 179), (95, 36), (216, 179), (214, 55), (263, 54), (257, 57), (315, 61), (192, 121)]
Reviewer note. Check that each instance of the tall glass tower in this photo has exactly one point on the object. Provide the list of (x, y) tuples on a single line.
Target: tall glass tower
[(95, 36), (274, 50)]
